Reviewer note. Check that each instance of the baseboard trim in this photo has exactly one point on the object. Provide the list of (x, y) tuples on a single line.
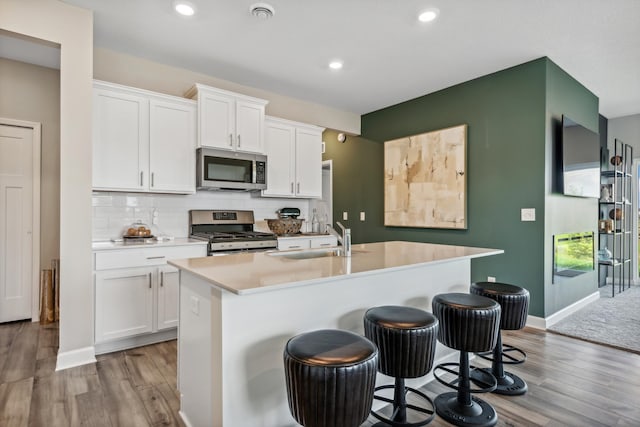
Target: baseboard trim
[(546, 322), (536, 322), (73, 358), (137, 341)]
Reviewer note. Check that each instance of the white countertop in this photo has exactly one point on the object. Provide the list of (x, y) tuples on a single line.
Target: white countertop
[(247, 273), (106, 245)]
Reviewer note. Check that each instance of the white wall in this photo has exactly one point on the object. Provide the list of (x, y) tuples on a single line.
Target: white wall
[(72, 29), (626, 129), (137, 72)]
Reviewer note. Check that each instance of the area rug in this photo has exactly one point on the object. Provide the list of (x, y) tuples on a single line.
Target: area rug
[(611, 321)]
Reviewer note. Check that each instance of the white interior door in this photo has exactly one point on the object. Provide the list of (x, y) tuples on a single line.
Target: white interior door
[(16, 219)]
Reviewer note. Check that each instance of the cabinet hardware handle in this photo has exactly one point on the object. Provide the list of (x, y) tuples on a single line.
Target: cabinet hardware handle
[(292, 188), (155, 257), (325, 244), (152, 180), (230, 140), (295, 247), (141, 182), (162, 279), (298, 188), (149, 280), (238, 140)]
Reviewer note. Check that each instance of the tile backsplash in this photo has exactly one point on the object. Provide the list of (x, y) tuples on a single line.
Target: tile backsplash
[(112, 212)]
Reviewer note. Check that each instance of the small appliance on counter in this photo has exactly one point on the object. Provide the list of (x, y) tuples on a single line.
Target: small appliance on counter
[(139, 232), (288, 213)]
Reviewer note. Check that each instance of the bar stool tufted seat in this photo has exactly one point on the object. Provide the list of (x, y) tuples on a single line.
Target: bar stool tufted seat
[(330, 377), (406, 340), (468, 323), (514, 302)]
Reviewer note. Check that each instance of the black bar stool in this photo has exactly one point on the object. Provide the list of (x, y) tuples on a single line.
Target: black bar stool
[(406, 340), (514, 302), (330, 376), (468, 323)]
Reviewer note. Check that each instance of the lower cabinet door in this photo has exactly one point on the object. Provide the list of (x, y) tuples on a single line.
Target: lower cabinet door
[(124, 303), (168, 283)]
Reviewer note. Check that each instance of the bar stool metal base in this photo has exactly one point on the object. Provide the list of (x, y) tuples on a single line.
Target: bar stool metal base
[(509, 384), (506, 383), (399, 416), (478, 414)]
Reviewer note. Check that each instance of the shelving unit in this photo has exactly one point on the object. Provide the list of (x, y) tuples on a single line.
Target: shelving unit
[(615, 206)]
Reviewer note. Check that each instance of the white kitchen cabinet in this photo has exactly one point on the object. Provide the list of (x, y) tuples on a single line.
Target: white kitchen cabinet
[(124, 300), (172, 142), (136, 295), (168, 288), (228, 120), (294, 159), (306, 242), (323, 241), (142, 141)]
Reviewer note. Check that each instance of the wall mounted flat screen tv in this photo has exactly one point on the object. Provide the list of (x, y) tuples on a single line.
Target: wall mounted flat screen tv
[(573, 254), (580, 160)]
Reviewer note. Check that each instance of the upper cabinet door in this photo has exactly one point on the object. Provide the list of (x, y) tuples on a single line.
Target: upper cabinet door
[(280, 148), (172, 127), (249, 126), (216, 117), (120, 141), (229, 120), (308, 163)]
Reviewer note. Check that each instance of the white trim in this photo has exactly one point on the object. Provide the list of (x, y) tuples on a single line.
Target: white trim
[(35, 207), (73, 358), (136, 341), (634, 208), (536, 322), (545, 323)]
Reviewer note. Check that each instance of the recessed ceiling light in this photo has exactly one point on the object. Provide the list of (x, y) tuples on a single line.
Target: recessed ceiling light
[(184, 8), (335, 64), (428, 15)]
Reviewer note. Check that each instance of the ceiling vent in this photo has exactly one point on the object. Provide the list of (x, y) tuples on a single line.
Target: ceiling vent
[(263, 11)]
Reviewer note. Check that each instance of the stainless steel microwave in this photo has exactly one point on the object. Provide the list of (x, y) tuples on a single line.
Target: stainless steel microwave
[(228, 170)]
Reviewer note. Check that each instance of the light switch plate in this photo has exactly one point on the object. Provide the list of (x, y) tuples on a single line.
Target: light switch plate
[(362, 216), (345, 216), (195, 305), (527, 214)]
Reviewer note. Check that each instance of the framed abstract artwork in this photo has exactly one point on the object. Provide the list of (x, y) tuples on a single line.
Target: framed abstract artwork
[(425, 180)]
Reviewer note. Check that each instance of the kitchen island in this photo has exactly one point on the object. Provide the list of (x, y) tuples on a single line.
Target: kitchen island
[(238, 311)]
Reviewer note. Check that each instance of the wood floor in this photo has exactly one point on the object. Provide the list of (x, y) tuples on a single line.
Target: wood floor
[(571, 383), (129, 388)]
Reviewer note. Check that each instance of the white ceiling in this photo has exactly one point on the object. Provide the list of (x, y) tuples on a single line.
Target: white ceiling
[(389, 56)]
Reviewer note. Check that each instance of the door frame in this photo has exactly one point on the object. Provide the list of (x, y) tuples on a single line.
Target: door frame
[(635, 188), (35, 217)]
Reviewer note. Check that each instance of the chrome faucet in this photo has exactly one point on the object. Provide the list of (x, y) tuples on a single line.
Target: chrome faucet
[(344, 240)]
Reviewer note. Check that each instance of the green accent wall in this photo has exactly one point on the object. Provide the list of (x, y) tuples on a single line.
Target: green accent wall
[(508, 150), (565, 95)]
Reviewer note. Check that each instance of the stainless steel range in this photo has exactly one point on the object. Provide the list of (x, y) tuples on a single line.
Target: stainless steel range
[(229, 231)]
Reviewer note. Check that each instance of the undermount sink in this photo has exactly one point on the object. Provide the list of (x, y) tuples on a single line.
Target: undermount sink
[(309, 253)]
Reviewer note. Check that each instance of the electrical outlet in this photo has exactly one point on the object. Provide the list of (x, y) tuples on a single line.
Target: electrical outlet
[(345, 216), (528, 214), (195, 305), (361, 216), (491, 279)]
